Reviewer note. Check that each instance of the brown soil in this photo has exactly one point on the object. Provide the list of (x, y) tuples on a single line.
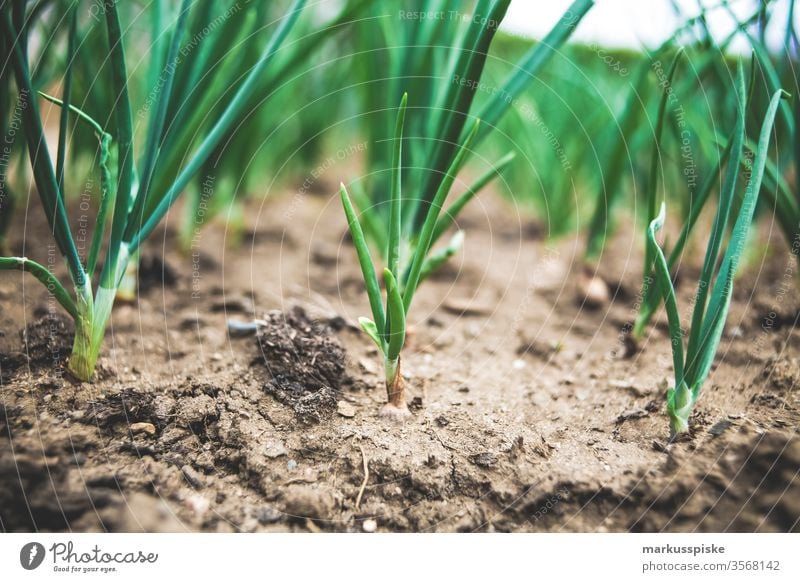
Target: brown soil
[(526, 414)]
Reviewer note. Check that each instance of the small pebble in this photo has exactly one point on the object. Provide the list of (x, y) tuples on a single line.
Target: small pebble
[(486, 459), (370, 525), (443, 341), (473, 330), (266, 515), (275, 449), (346, 409), (143, 427), (594, 290)]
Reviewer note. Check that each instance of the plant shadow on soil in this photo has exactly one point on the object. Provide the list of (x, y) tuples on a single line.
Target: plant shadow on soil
[(526, 416)]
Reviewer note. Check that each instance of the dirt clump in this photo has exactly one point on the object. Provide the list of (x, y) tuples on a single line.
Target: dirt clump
[(304, 363)]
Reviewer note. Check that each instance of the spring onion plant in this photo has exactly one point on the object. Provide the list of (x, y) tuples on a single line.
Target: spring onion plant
[(775, 194), (387, 328), (405, 227), (693, 362), (651, 286), (131, 201)]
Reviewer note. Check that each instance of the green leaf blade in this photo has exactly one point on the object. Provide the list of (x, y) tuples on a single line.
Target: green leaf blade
[(449, 217), (720, 219), (396, 317), (45, 277), (668, 291), (395, 208), (719, 303), (364, 259)]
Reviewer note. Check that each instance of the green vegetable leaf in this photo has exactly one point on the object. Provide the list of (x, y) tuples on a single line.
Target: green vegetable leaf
[(396, 317), (364, 259)]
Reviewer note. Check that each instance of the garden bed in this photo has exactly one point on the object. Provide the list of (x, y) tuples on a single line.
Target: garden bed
[(527, 413)]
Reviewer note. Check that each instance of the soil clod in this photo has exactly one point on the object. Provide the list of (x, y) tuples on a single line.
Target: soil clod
[(304, 363)]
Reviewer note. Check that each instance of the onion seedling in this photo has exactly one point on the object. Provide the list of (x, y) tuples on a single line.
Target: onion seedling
[(387, 328), (651, 286), (405, 228), (776, 192), (714, 291), (134, 204)]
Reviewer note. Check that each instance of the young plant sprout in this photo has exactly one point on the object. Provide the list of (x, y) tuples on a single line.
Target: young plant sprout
[(134, 205), (416, 222), (713, 297), (651, 285), (387, 328), (775, 190)]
